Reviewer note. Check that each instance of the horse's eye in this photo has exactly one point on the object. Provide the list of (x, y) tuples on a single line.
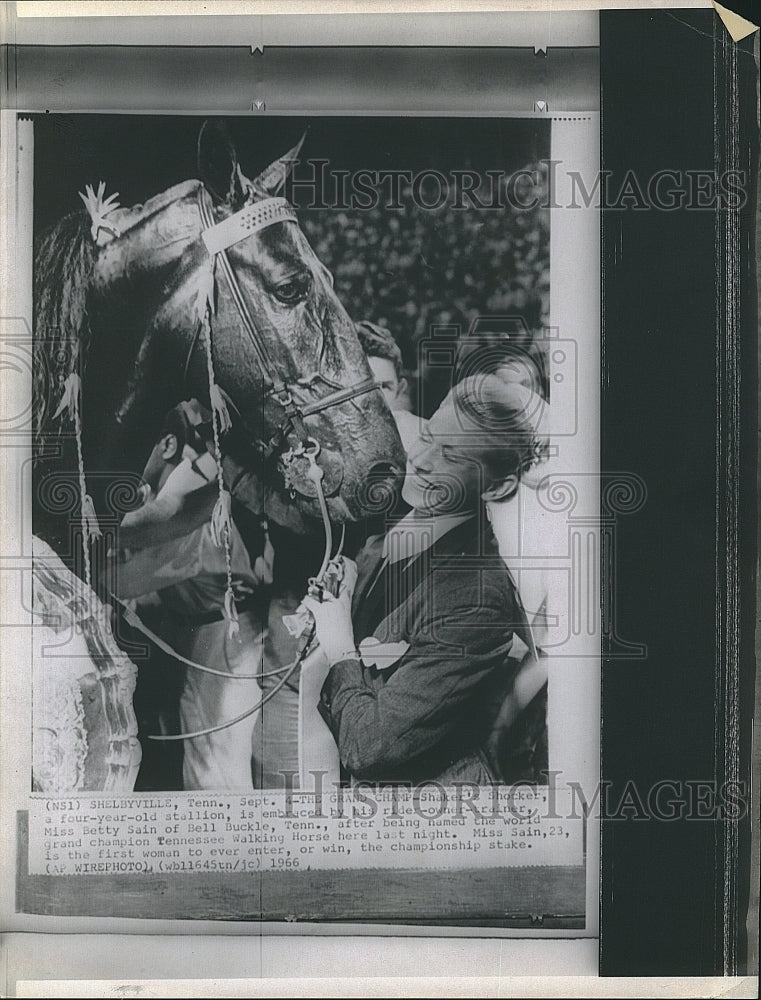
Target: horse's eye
[(293, 290)]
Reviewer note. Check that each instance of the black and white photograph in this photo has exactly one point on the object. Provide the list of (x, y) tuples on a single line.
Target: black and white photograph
[(245, 465), (292, 433)]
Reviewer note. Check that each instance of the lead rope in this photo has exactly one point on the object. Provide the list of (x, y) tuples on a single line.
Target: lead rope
[(287, 674)]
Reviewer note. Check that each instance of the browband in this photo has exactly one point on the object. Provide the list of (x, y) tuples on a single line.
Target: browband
[(248, 220)]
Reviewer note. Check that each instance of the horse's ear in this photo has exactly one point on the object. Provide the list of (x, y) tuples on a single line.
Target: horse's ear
[(218, 163), (271, 180)]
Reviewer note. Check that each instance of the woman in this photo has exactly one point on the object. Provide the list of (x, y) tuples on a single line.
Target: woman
[(420, 636)]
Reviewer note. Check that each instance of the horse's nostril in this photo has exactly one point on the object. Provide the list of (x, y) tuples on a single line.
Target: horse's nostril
[(377, 491), (384, 470)]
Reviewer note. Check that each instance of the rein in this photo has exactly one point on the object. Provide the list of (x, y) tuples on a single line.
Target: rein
[(333, 566)]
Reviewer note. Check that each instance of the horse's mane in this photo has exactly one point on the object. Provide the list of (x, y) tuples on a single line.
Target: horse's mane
[(63, 264)]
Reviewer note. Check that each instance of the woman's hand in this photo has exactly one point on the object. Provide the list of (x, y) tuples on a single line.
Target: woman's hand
[(332, 616)]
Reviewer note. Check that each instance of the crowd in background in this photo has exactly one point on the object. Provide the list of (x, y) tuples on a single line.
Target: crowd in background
[(412, 268)]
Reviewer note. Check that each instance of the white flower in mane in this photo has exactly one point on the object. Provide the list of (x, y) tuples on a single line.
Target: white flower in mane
[(99, 208)]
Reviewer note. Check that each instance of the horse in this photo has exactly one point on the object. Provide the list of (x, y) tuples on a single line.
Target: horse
[(208, 290), (123, 309)]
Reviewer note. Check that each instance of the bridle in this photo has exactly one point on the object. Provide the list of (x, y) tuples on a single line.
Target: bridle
[(218, 238)]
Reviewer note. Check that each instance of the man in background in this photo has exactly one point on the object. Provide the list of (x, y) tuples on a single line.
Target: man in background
[(385, 360), (188, 573)]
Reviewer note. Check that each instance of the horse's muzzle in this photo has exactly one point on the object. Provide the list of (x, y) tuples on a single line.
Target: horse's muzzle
[(378, 491)]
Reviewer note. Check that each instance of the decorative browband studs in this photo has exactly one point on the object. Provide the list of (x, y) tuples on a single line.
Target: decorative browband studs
[(247, 221)]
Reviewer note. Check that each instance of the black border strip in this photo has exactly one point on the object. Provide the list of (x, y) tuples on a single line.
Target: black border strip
[(679, 408)]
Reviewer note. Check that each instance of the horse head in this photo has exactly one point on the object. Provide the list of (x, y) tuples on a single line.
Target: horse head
[(185, 293)]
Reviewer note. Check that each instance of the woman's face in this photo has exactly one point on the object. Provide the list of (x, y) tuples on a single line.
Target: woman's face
[(444, 465)]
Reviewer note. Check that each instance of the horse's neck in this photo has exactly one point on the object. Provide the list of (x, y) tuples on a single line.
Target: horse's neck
[(152, 236), (142, 319)]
